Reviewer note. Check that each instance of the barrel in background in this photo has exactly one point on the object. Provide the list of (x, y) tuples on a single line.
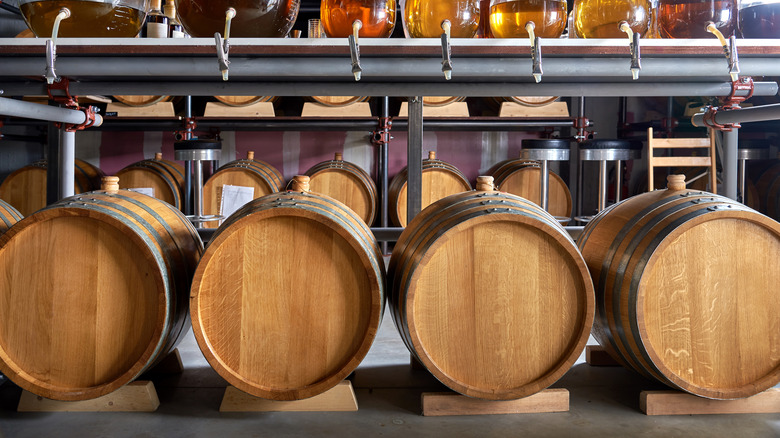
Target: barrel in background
[(94, 292), (686, 285), (289, 295), (490, 294), (521, 177), (8, 216), (163, 179), (347, 183)]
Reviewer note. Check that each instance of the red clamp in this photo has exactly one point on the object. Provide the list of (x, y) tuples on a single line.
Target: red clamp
[(186, 132), (729, 102), (71, 102), (580, 124), (381, 136)]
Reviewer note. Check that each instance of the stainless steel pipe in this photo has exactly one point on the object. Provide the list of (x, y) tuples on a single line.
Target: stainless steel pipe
[(29, 110)]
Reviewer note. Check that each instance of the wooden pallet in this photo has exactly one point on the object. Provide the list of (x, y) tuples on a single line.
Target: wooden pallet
[(681, 403), (138, 396), (340, 398), (451, 403)]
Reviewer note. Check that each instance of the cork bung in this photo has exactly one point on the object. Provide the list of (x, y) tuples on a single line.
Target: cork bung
[(485, 184), (300, 183), (110, 184), (675, 182)]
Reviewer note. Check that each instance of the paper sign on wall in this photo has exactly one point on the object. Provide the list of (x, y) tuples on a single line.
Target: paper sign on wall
[(233, 198), (148, 191)]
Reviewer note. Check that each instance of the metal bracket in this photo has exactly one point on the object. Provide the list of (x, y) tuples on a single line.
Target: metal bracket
[(730, 102), (354, 49), (381, 135), (446, 50), (186, 132), (223, 47), (66, 99)]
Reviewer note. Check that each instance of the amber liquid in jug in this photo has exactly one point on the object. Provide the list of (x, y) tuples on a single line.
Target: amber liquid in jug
[(423, 18), (87, 19), (602, 18), (508, 18), (377, 17), (688, 19), (254, 18), (760, 21)]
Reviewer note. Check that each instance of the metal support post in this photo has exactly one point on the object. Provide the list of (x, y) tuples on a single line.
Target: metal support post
[(414, 158), (544, 182), (67, 163), (53, 170), (618, 181), (730, 163)]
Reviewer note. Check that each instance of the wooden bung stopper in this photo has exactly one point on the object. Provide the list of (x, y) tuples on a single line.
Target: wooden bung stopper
[(158, 155), (338, 156), (250, 155), (110, 184), (431, 155), (485, 184), (675, 182), (300, 183)]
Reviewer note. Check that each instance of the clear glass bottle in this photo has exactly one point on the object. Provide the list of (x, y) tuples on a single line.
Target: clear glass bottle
[(760, 18), (377, 17), (509, 17), (176, 29), (602, 18), (254, 18), (423, 18), (688, 18), (156, 25), (109, 18)]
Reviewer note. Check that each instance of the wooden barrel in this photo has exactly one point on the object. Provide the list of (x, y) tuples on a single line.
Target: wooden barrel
[(521, 178), (157, 177), (768, 188), (262, 177), (94, 292), (244, 100), (441, 100), (289, 295), (8, 216), (25, 188), (439, 179), (141, 101), (345, 182), (532, 101), (686, 286), (338, 100), (490, 294)]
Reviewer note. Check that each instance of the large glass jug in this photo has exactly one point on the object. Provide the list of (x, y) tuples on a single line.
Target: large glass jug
[(423, 18), (376, 16), (509, 17), (689, 18), (760, 18), (602, 18), (109, 18), (254, 18)]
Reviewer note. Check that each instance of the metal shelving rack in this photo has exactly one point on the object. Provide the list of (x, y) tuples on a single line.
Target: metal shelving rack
[(394, 67)]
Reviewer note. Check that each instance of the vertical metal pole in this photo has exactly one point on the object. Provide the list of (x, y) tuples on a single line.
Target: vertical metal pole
[(669, 114), (188, 206), (67, 163), (618, 180), (602, 185), (578, 189), (384, 156), (53, 169), (730, 163), (414, 159), (198, 198), (741, 197), (544, 184)]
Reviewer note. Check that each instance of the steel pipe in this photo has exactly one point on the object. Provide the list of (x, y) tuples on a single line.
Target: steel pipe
[(730, 164), (414, 159), (741, 115), (29, 110), (67, 163)]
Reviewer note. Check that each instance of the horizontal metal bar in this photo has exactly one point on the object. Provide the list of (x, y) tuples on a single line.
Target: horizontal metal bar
[(393, 89), (741, 115), (29, 110)]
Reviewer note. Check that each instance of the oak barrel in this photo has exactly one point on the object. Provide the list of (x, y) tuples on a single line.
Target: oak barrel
[(141, 101), (289, 295), (164, 178), (490, 294), (94, 292), (262, 177), (521, 177), (345, 182), (8, 216), (439, 179), (244, 100), (768, 188), (25, 188), (686, 290), (338, 100)]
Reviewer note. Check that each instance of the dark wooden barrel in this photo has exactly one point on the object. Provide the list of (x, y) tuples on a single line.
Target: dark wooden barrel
[(345, 182), (686, 290), (244, 100), (768, 188), (164, 178), (262, 177), (289, 295), (94, 292), (141, 101), (439, 180), (490, 294), (25, 188), (8, 216), (521, 178)]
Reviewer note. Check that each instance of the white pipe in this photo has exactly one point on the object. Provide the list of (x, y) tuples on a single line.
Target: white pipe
[(741, 115), (29, 110), (67, 163)]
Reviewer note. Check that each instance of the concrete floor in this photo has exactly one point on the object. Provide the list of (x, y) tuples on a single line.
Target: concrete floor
[(604, 402)]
